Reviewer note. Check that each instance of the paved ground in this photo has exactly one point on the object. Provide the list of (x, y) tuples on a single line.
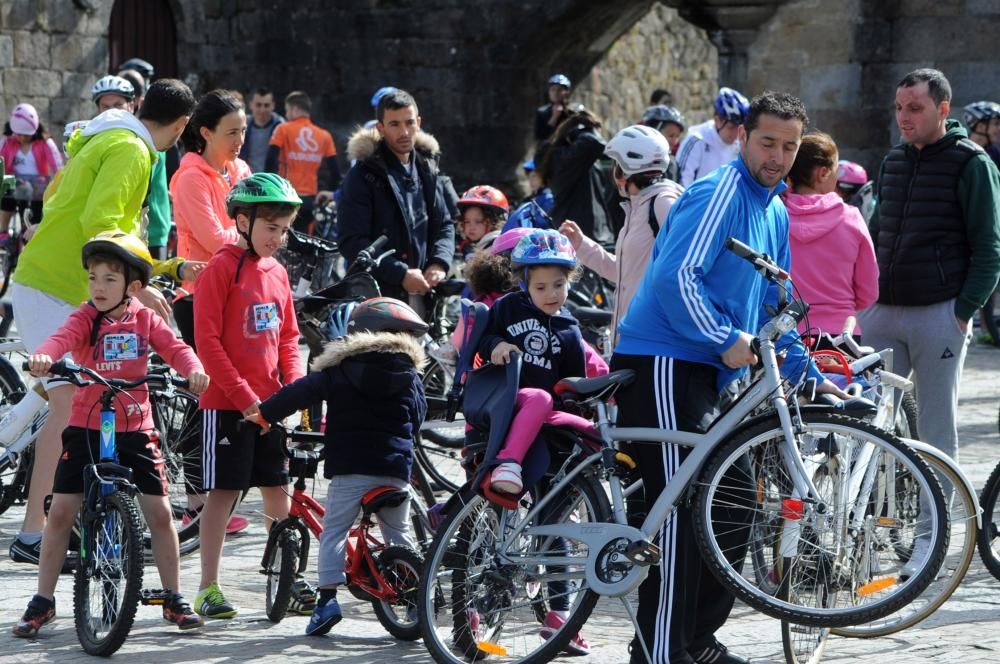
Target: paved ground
[(966, 629)]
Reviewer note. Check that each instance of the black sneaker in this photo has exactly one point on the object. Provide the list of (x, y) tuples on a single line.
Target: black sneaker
[(25, 553), (716, 653), (39, 612), (176, 610)]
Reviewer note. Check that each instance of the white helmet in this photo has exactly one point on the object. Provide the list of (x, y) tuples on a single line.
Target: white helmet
[(112, 85), (639, 149)]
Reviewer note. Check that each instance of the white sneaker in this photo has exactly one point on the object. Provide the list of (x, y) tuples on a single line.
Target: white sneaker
[(918, 557), (506, 478)]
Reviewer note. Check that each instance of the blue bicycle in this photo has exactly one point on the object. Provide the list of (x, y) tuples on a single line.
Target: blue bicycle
[(107, 585)]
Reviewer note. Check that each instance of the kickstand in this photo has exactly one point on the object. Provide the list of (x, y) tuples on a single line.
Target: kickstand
[(635, 623)]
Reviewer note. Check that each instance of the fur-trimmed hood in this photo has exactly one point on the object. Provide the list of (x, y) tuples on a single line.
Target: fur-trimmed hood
[(364, 142), (375, 362)]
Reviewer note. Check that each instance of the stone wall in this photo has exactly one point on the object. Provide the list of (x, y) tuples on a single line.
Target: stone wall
[(661, 50), (51, 53)]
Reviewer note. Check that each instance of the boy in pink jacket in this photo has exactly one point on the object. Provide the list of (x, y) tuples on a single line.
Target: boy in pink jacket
[(833, 260), (113, 334)]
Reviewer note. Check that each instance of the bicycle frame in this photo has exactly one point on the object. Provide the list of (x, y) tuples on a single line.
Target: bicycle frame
[(362, 570)]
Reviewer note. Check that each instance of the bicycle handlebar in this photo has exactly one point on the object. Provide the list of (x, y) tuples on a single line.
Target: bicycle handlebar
[(310, 438), (73, 371), (764, 264)]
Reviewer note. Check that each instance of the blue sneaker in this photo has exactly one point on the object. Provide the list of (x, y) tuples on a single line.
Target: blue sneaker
[(324, 618)]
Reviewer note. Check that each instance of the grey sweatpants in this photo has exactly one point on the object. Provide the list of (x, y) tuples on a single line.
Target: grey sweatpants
[(343, 505), (927, 342)]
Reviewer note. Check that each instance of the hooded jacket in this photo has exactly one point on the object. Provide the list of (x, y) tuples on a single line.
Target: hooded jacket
[(46, 154), (833, 260), (101, 188), (372, 205), (199, 193), (376, 374), (633, 247), (247, 334), (703, 151), (578, 182), (551, 346)]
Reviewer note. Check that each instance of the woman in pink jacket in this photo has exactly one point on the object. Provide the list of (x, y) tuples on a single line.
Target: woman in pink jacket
[(209, 169), (833, 260)]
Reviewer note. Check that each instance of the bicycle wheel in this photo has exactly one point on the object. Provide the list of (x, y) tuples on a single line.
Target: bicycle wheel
[(961, 549), (841, 545), (906, 420), (442, 465), (477, 601), (15, 471), (400, 567), (280, 570), (989, 536), (178, 422), (108, 577)]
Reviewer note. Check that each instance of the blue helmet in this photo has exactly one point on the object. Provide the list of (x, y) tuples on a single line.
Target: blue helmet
[(560, 79), (543, 247), (731, 105), (528, 166), (528, 215), (381, 92)]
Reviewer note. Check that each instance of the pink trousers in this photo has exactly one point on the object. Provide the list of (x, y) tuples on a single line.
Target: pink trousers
[(533, 409)]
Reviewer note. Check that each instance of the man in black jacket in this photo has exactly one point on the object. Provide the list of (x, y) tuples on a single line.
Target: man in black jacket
[(393, 189)]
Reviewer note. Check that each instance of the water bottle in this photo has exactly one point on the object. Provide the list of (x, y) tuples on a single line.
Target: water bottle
[(20, 417)]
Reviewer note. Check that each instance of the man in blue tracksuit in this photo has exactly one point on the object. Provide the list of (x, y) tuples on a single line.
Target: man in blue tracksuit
[(686, 334)]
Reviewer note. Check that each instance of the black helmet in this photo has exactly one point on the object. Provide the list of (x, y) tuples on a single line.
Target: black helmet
[(386, 314), (139, 65), (657, 116)]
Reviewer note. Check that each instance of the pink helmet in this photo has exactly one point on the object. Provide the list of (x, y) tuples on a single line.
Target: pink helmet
[(509, 239), (850, 173), (24, 120)]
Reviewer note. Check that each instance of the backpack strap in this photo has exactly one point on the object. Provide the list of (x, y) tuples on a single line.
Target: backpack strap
[(654, 224)]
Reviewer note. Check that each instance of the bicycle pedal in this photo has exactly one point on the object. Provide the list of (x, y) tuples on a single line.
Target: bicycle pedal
[(156, 597), (643, 552)]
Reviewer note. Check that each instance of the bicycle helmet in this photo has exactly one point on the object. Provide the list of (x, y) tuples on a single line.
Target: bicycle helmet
[(560, 79), (731, 105), (381, 92), (639, 149), (139, 65), (657, 116), (255, 189), (338, 320), (126, 247), (508, 239), (386, 314), (528, 166), (979, 111), (485, 196), (850, 174), (543, 247), (112, 85), (24, 120)]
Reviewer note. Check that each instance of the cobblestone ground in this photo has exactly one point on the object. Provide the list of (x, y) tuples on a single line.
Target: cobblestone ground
[(965, 629)]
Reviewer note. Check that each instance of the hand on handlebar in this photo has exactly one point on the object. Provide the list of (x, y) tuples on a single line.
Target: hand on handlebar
[(415, 282), (39, 364), (740, 354), (197, 382), (322, 197), (259, 420), (433, 274)]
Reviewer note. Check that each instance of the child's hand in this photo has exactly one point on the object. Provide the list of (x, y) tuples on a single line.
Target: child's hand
[(259, 420), (197, 382), (501, 353), (39, 364), (251, 410)]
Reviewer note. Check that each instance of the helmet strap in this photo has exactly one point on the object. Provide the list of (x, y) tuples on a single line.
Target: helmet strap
[(251, 218)]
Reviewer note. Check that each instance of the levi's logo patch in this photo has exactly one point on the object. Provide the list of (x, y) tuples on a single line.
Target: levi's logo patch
[(121, 347), (265, 317)]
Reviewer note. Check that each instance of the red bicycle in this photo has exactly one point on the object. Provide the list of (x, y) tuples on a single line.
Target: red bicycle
[(387, 576)]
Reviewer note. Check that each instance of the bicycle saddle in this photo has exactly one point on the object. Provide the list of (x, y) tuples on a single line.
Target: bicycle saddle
[(449, 287), (383, 497), (592, 316), (585, 388)]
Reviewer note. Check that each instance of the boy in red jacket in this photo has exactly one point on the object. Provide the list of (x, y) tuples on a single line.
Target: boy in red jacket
[(112, 334), (248, 339)]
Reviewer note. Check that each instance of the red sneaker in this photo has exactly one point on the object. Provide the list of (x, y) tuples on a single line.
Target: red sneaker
[(39, 612), (236, 524), (552, 624)]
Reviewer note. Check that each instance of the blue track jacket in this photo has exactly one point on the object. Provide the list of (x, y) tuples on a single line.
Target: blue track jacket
[(696, 296)]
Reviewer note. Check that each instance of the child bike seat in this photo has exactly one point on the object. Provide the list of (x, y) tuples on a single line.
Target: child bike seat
[(383, 497), (585, 388), (592, 316)]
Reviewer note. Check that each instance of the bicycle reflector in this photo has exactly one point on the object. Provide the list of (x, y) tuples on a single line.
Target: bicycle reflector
[(878, 585), (491, 648), (792, 509)]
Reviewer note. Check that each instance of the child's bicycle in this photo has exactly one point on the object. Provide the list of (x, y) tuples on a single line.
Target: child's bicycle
[(387, 576), (107, 585)]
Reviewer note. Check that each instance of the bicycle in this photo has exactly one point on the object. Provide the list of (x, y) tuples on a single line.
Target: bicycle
[(108, 578), (384, 575), (489, 564), (311, 262), (989, 534), (27, 191)]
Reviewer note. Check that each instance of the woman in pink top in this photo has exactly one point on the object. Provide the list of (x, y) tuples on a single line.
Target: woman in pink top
[(833, 260), (209, 169)]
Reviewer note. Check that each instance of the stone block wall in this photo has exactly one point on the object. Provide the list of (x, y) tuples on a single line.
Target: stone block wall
[(661, 50), (51, 53)]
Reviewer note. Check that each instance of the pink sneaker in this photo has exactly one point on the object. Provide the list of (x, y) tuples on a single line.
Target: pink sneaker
[(236, 524), (552, 624), (506, 478)]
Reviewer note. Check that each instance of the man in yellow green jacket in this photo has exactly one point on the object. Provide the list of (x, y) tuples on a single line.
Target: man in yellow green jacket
[(101, 188)]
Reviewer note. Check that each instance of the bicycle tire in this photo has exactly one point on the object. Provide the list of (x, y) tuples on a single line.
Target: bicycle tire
[(442, 465), (906, 426), (178, 421), (282, 566), (14, 477), (745, 493), (989, 535), (961, 550), (458, 610), (400, 566), (101, 565)]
